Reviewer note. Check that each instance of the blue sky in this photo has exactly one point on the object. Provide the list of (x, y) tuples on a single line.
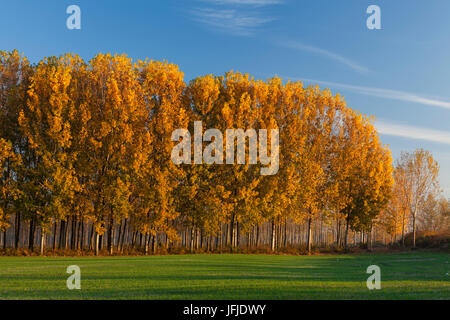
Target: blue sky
[(400, 74)]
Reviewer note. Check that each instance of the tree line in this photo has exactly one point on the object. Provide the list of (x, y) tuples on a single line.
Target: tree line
[(85, 160), (417, 202)]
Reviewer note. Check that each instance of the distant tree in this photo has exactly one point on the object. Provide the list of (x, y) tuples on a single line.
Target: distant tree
[(435, 215), (421, 172)]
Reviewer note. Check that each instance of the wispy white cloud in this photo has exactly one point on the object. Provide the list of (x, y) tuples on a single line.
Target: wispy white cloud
[(324, 53), (412, 132), (238, 17), (385, 93), (230, 20)]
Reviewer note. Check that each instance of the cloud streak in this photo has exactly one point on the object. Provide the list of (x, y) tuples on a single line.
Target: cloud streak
[(324, 53), (413, 132), (385, 93), (238, 17), (230, 20)]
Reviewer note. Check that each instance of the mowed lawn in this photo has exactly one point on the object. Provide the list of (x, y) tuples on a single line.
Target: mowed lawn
[(415, 275)]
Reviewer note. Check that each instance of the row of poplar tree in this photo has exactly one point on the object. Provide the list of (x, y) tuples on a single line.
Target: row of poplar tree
[(85, 159)]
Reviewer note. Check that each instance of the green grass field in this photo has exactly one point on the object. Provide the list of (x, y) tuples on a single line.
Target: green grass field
[(417, 275)]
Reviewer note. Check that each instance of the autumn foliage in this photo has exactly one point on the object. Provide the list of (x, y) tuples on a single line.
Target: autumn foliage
[(85, 159)]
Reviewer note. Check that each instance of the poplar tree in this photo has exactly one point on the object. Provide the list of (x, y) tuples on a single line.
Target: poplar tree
[(422, 171)]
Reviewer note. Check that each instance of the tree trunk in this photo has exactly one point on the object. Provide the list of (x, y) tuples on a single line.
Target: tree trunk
[(146, 243), (346, 235), (17, 232), (73, 234), (110, 236), (42, 242), (31, 236), (4, 240), (272, 239), (123, 234), (231, 228), (238, 235), (154, 243), (100, 242), (193, 239), (55, 229), (61, 234), (403, 230), (167, 243), (338, 233), (133, 240), (97, 240), (257, 236), (82, 235), (369, 239), (66, 233), (309, 235), (91, 237), (196, 239)]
